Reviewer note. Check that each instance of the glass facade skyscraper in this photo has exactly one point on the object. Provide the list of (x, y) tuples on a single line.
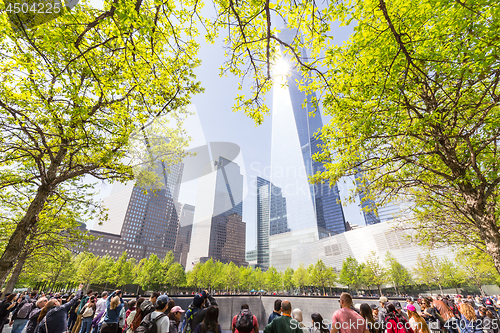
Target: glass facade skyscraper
[(294, 142), (271, 218), (141, 222), (218, 230)]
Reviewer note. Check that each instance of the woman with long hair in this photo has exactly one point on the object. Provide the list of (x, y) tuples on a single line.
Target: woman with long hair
[(417, 323), (49, 305), (6, 307), (489, 320), (396, 322), (136, 312), (210, 322), (366, 312), (170, 306), (114, 305), (318, 325), (468, 321)]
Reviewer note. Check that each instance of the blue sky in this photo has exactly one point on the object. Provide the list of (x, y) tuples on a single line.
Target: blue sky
[(219, 123)]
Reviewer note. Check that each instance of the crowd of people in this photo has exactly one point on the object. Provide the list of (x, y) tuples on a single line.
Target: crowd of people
[(109, 313)]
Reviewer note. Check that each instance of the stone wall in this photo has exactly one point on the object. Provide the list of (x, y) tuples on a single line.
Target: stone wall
[(262, 306)]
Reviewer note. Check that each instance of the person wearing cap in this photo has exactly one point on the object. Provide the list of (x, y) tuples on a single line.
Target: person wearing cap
[(163, 323), (382, 311), (197, 310), (375, 311), (417, 323), (175, 316), (397, 305)]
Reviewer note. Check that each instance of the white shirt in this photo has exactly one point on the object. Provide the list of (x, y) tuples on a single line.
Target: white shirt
[(100, 306), (163, 324)]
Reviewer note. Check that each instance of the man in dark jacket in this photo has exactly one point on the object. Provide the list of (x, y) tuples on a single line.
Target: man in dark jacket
[(56, 319), (33, 317), (196, 311), (276, 313), (21, 314)]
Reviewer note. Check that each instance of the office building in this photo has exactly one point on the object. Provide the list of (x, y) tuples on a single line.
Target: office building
[(271, 218), (218, 230), (141, 222), (251, 258), (184, 235)]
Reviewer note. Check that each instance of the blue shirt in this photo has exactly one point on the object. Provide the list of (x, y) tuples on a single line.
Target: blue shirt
[(272, 316), (113, 316)]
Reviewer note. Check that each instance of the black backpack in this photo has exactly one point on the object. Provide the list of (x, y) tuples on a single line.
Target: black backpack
[(148, 325), (244, 321)]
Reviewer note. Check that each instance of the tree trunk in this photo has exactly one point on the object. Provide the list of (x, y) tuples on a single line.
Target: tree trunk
[(441, 289), (481, 289), (2, 280), (22, 231), (9, 287), (379, 290)]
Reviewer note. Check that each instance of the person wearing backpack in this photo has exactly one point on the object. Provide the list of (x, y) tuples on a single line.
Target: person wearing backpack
[(21, 314), (245, 321), (144, 309), (88, 312), (395, 322), (197, 310), (157, 321)]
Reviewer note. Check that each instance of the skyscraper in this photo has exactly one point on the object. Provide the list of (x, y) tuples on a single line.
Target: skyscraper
[(183, 240), (294, 141), (218, 230), (271, 218), (141, 222)]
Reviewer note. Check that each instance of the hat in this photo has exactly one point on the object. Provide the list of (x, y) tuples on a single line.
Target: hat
[(161, 301), (397, 305), (374, 306), (488, 302), (177, 309), (198, 300), (383, 299), (410, 307)]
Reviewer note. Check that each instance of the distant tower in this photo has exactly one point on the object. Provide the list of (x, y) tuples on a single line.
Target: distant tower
[(271, 218), (218, 229), (183, 240), (367, 205)]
